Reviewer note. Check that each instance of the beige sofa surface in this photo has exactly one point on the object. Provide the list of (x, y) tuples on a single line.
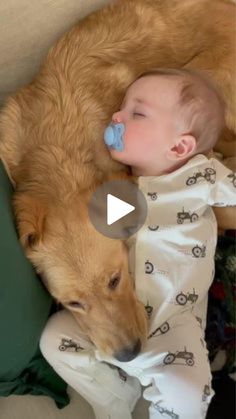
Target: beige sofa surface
[(27, 30)]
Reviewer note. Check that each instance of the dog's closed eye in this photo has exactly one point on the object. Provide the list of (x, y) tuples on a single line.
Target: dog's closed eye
[(114, 281), (75, 304)]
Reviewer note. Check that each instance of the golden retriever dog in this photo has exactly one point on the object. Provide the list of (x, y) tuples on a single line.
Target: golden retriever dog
[(52, 147)]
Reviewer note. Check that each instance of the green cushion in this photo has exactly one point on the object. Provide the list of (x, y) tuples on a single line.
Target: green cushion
[(24, 309)]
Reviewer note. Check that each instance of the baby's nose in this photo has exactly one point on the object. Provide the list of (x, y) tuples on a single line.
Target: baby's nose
[(116, 117)]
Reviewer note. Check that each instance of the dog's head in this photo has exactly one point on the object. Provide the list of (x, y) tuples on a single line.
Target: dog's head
[(84, 270)]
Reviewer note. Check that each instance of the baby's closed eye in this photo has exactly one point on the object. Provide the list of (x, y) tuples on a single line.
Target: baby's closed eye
[(138, 114)]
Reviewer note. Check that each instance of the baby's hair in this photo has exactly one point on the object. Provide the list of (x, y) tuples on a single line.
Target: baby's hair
[(202, 109)]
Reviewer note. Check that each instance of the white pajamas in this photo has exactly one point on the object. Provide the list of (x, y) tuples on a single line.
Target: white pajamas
[(172, 261)]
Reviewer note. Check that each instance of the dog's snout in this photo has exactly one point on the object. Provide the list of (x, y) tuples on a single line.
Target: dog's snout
[(128, 353)]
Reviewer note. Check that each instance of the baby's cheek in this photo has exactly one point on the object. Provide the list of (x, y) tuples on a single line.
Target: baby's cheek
[(118, 155)]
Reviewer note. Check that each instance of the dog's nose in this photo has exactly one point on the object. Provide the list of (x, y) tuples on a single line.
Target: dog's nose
[(129, 353)]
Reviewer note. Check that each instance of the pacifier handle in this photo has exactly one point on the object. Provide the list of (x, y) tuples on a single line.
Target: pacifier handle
[(113, 136)]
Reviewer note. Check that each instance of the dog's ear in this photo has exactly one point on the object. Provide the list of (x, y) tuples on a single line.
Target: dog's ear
[(30, 213)]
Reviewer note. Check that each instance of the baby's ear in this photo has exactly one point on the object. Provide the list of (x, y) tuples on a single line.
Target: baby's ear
[(30, 215), (183, 148)]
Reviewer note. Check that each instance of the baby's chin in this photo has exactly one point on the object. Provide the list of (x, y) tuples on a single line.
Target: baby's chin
[(119, 156)]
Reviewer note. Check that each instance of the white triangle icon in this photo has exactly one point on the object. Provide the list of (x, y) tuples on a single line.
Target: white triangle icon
[(116, 209)]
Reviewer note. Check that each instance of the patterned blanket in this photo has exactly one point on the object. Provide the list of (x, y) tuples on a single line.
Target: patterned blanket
[(220, 330)]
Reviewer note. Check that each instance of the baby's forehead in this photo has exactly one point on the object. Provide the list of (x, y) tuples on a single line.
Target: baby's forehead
[(154, 81), (155, 88)]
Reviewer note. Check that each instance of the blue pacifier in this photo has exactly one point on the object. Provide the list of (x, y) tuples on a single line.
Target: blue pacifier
[(113, 136)]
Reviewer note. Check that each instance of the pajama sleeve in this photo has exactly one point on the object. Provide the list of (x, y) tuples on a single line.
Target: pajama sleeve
[(222, 188)]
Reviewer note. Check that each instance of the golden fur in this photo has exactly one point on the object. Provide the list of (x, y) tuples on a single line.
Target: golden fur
[(52, 146)]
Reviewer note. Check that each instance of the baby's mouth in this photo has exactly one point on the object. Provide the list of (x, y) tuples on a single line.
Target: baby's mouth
[(113, 136)]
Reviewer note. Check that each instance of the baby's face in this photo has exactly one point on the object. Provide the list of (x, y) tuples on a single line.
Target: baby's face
[(148, 114)]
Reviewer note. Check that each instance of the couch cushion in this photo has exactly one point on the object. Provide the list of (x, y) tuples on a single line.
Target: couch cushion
[(24, 308), (24, 303), (27, 29)]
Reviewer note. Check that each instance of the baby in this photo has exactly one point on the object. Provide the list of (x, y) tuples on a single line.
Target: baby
[(168, 120)]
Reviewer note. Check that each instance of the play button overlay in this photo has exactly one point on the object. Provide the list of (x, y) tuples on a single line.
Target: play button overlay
[(117, 209)]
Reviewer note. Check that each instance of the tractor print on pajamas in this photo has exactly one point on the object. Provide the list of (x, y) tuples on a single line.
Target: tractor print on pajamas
[(153, 227), (122, 375), (209, 175), (185, 215), (150, 269), (152, 195), (69, 344), (232, 177), (164, 328), (149, 310), (203, 343), (188, 357), (206, 392), (165, 411), (199, 251), (182, 298), (199, 320)]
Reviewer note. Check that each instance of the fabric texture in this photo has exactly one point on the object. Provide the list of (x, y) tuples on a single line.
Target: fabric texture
[(106, 383), (24, 308), (38, 379), (173, 253), (221, 322)]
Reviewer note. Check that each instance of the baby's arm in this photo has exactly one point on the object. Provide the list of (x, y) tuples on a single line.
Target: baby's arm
[(222, 193), (226, 218)]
